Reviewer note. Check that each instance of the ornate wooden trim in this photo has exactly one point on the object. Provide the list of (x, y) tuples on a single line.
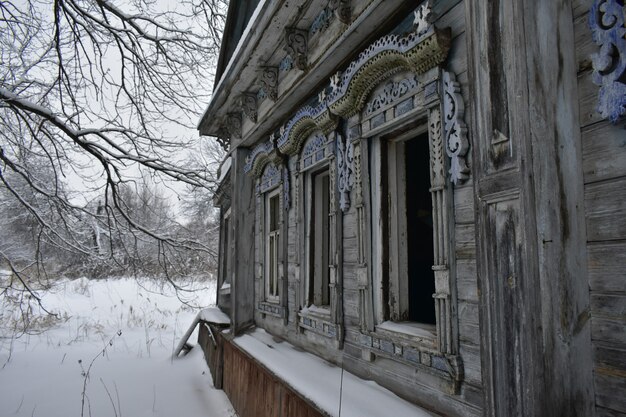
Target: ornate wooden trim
[(257, 159), (456, 130), (385, 57), (269, 82), (249, 106), (233, 124), (345, 170), (419, 51), (342, 9), (296, 45), (608, 28)]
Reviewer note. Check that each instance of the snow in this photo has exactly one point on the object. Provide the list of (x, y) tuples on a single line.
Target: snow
[(320, 381), (40, 374), (408, 328), (214, 315)]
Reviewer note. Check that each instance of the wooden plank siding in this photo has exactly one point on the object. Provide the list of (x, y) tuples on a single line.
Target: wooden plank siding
[(412, 383), (604, 176), (255, 392)]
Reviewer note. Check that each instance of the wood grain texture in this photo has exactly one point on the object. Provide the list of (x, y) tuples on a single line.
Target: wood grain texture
[(605, 210), (255, 392), (604, 152), (606, 262)]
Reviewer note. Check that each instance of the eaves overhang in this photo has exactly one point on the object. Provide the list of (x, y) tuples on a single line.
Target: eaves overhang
[(261, 46)]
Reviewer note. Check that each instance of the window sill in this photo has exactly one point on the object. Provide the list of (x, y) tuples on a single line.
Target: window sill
[(317, 320), (322, 312), (415, 333), (272, 309)]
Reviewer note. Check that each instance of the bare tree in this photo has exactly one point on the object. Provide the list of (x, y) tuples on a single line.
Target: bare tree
[(100, 91)]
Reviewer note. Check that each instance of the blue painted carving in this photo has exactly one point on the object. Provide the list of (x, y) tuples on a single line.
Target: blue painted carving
[(606, 20), (286, 189), (345, 171), (455, 128), (322, 21), (256, 158), (314, 151), (271, 178), (286, 64), (392, 92)]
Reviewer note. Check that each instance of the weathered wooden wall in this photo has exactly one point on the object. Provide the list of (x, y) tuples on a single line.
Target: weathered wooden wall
[(533, 294), (416, 384), (604, 174), (213, 353), (255, 392)]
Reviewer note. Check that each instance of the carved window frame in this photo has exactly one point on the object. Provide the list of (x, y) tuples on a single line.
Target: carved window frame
[(270, 184), (437, 109), (317, 156)]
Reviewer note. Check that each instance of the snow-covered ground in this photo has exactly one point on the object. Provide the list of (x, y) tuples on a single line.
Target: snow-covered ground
[(126, 330)]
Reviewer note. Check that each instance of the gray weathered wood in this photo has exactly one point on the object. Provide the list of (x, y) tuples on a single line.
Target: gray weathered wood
[(243, 215), (606, 266), (610, 390), (604, 152), (605, 210), (536, 136)]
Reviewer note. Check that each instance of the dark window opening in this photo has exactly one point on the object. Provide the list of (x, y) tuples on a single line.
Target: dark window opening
[(319, 293), (419, 214)]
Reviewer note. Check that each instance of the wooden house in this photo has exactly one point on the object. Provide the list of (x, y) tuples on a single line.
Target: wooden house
[(430, 195)]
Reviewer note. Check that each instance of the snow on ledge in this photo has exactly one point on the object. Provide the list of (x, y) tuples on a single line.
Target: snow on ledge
[(320, 381), (408, 328), (213, 315)]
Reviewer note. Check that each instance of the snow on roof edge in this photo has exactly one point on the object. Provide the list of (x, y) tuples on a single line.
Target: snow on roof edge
[(243, 40)]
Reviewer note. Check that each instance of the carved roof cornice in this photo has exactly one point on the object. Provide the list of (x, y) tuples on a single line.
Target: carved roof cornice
[(262, 44), (417, 52)]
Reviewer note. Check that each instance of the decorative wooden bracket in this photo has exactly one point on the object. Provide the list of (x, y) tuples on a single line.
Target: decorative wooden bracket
[(269, 82), (297, 46), (249, 106), (608, 28)]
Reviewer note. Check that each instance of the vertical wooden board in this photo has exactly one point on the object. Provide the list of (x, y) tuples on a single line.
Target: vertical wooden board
[(605, 208), (584, 44), (468, 312), (467, 288), (464, 204), (350, 250), (610, 390), (606, 262), (450, 14), (604, 152), (349, 224), (469, 333), (587, 100), (471, 363), (580, 6), (457, 62), (465, 241)]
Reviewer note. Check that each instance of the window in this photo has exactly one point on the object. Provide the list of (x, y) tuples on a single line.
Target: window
[(318, 238), (404, 234), (272, 244)]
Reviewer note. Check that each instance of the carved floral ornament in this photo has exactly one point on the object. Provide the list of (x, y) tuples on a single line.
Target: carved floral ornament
[(455, 128), (422, 49), (296, 41), (607, 20), (342, 10)]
